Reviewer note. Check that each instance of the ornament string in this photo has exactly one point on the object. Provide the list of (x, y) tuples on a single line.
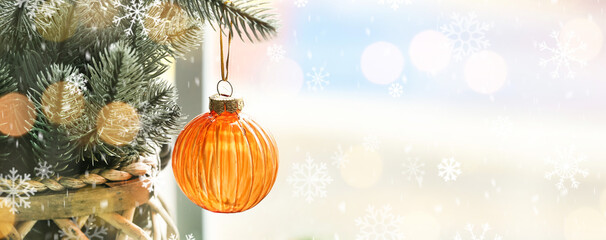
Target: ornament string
[(225, 64)]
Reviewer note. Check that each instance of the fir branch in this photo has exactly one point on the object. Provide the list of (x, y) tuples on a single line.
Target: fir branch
[(16, 30), (241, 16)]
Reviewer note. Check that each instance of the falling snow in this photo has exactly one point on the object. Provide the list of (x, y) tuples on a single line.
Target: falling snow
[(276, 53), (309, 179), (16, 190), (482, 235), (91, 230), (379, 224), (317, 80), (566, 169), (394, 4), (449, 169), (339, 157), (43, 170), (135, 13), (562, 55), (467, 35), (413, 169), (301, 3), (371, 143), (396, 90)]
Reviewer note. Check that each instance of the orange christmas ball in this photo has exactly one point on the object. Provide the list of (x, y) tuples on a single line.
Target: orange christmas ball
[(224, 161)]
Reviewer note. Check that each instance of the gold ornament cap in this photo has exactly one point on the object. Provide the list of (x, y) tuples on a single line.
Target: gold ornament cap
[(220, 104)]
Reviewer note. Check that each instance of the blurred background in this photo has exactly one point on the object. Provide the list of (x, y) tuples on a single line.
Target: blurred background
[(410, 119)]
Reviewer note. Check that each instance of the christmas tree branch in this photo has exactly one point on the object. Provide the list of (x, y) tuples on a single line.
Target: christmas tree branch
[(240, 16)]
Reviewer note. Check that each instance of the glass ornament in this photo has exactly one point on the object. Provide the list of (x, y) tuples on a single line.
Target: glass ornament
[(224, 161)]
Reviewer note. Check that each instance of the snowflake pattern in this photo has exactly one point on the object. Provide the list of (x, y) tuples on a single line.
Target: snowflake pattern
[(309, 179), (467, 35), (301, 3), (149, 180), (17, 190), (135, 13), (413, 169), (187, 237), (566, 169), (43, 170), (318, 79), (91, 230), (276, 52), (563, 54), (449, 169), (340, 158), (396, 90), (394, 4), (470, 228), (379, 224), (371, 143), (78, 81)]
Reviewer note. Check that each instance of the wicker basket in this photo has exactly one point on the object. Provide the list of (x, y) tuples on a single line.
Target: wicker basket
[(109, 194)]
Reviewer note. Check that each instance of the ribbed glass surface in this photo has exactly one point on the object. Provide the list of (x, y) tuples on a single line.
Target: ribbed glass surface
[(225, 163)]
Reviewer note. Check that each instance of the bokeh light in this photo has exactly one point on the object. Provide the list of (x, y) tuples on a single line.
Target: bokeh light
[(430, 51), (62, 102), (166, 22), (485, 72), (382, 63), (53, 20), (283, 78), (7, 219), (96, 14), (364, 169), (585, 32), (118, 123), (17, 114)]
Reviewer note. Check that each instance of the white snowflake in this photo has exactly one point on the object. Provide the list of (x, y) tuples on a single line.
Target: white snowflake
[(467, 35), (395, 90), (502, 126), (91, 230), (379, 224), (449, 169), (566, 168), (482, 235), (78, 81), (187, 237), (17, 190), (134, 13), (371, 143), (149, 180), (413, 169), (395, 4), (43, 170), (276, 52), (340, 158), (301, 3), (318, 79), (309, 179), (563, 54)]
